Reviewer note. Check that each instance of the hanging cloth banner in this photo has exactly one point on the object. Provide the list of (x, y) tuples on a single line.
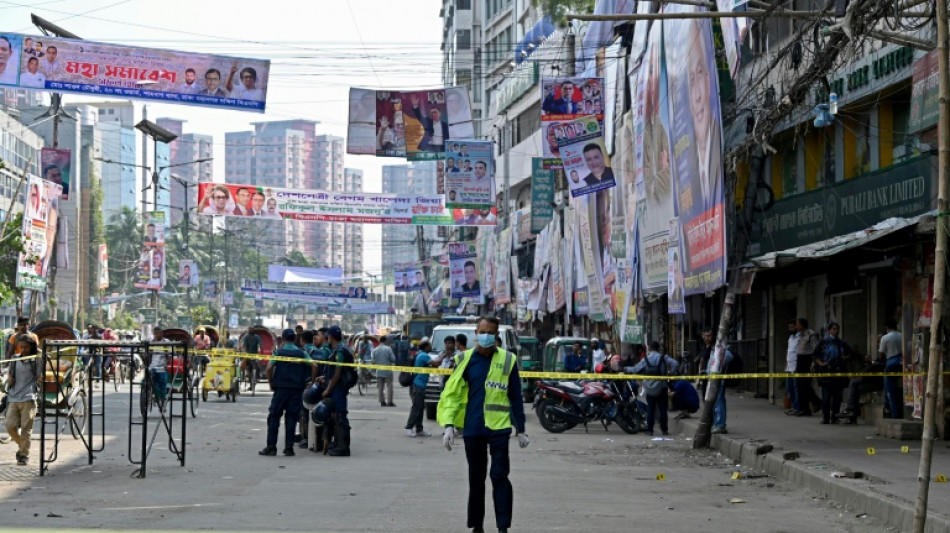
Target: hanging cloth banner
[(289, 274)]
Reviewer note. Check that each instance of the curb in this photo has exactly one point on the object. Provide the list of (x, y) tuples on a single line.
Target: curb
[(857, 494)]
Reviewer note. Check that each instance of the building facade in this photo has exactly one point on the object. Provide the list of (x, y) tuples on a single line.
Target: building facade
[(186, 148)]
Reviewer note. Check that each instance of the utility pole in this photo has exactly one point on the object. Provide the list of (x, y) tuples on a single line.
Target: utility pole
[(940, 272)]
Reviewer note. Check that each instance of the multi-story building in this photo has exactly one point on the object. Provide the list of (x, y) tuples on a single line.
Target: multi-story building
[(186, 148), (462, 52), (20, 150), (117, 127), (352, 233)]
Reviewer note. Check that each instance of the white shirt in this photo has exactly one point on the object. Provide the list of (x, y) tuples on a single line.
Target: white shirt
[(50, 67), (891, 344), (32, 80), (184, 88), (8, 77), (154, 283), (210, 210), (791, 358), (597, 357), (241, 93)]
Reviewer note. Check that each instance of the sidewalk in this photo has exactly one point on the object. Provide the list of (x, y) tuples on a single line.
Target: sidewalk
[(889, 488)]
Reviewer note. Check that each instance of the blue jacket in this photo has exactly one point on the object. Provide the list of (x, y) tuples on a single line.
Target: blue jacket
[(574, 362), (289, 375)]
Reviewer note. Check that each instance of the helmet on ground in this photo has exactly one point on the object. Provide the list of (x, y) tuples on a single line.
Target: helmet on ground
[(312, 395), (321, 413)]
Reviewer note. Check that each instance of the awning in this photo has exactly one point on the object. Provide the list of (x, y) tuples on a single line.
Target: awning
[(835, 245)]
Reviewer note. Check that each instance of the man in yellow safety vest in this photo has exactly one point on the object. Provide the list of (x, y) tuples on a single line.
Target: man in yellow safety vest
[(482, 399)]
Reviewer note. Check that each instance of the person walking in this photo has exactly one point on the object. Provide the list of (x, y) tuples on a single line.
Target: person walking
[(287, 380), (804, 353), (656, 390), (383, 355), (22, 385), (414, 423), (829, 358), (482, 398), (891, 349)]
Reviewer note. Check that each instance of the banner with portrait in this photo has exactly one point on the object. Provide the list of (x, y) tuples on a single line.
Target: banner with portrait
[(209, 290), (469, 175), (696, 132), (187, 273), (323, 206), (150, 272), (40, 219), (57, 64), (56, 165), (417, 125), (502, 264), (463, 272), (564, 100), (154, 225), (676, 303), (583, 156), (103, 266), (409, 278), (653, 180)]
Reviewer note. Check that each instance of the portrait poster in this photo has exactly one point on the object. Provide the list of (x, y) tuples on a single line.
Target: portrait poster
[(502, 263), (187, 273), (409, 278), (475, 217), (696, 131), (583, 156), (209, 290), (62, 65), (676, 304), (463, 272), (469, 175), (40, 220), (103, 266), (653, 180), (154, 225), (56, 166), (150, 273)]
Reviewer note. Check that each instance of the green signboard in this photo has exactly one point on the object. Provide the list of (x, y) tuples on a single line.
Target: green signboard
[(924, 101), (542, 195), (185, 322), (904, 190), (149, 315)]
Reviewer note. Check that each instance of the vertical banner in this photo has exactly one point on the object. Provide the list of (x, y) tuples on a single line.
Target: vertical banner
[(40, 218), (463, 273), (697, 133), (361, 128), (390, 125), (154, 229), (103, 267), (502, 291), (676, 302), (187, 273), (209, 291), (469, 175), (542, 195), (57, 165), (583, 156), (151, 269), (591, 262), (567, 266), (654, 185)]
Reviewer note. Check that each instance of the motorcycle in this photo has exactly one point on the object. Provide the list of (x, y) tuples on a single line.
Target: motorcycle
[(562, 405)]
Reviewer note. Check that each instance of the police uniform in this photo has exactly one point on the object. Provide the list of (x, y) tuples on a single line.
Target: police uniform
[(288, 383)]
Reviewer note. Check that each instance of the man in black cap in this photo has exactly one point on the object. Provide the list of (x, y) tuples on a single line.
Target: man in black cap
[(336, 389), (288, 380)]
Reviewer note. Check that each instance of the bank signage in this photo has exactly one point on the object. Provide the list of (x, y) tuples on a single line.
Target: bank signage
[(904, 190)]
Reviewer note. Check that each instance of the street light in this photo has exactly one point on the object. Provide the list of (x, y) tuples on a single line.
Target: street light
[(156, 174)]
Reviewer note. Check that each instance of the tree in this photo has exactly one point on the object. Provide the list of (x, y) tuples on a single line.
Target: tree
[(10, 247), (124, 239), (558, 10)]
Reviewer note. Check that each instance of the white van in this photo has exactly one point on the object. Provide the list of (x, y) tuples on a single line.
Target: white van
[(509, 341)]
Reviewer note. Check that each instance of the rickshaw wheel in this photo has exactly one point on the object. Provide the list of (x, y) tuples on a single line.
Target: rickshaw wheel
[(204, 395), (193, 401)]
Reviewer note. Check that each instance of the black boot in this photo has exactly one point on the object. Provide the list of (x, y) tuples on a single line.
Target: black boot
[(341, 448), (318, 444)]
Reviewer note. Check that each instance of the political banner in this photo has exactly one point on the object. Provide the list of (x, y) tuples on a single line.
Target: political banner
[(696, 132), (321, 206), (347, 307), (463, 274), (209, 291), (103, 267), (150, 272), (227, 298), (592, 268), (273, 291), (583, 156), (570, 98), (417, 125), (676, 304), (40, 219), (653, 178), (469, 175), (56, 165), (409, 278), (475, 217), (154, 222), (542, 195), (502, 288), (187, 273), (291, 274), (45, 63)]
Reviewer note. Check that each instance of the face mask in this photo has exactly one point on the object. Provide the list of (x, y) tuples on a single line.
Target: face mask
[(486, 340)]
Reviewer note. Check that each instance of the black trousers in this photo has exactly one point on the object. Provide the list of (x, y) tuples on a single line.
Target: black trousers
[(659, 402), (285, 403), (806, 393), (417, 412), (477, 452)]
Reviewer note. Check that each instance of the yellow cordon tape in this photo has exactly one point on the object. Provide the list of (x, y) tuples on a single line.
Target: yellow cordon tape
[(571, 376), (15, 359)]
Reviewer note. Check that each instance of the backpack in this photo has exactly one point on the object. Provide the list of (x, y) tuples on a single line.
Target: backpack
[(655, 387), (350, 376), (734, 367)]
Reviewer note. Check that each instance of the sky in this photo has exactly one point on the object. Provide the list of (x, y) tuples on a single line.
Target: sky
[(317, 49)]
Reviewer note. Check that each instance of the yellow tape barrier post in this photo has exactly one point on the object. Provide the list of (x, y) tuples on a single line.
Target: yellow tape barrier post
[(568, 376)]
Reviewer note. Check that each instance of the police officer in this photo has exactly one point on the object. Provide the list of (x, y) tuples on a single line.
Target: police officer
[(335, 388), (288, 381), (482, 399)]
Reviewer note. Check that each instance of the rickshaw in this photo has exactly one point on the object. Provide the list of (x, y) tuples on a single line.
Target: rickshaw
[(530, 361), (365, 376), (212, 333), (557, 348), (221, 377), (268, 345), (175, 368), (64, 390)]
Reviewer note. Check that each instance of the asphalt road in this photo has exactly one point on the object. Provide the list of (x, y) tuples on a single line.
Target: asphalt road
[(601, 481)]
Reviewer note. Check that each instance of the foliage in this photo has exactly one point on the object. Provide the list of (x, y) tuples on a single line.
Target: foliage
[(96, 231), (10, 248), (201, 315), (559, 9), (123, 320), (124, 239)]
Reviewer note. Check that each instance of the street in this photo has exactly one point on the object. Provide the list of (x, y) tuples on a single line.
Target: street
[(601, 481)]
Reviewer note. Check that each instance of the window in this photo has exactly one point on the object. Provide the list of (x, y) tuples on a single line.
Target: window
[(463, 39), (463, 4)]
